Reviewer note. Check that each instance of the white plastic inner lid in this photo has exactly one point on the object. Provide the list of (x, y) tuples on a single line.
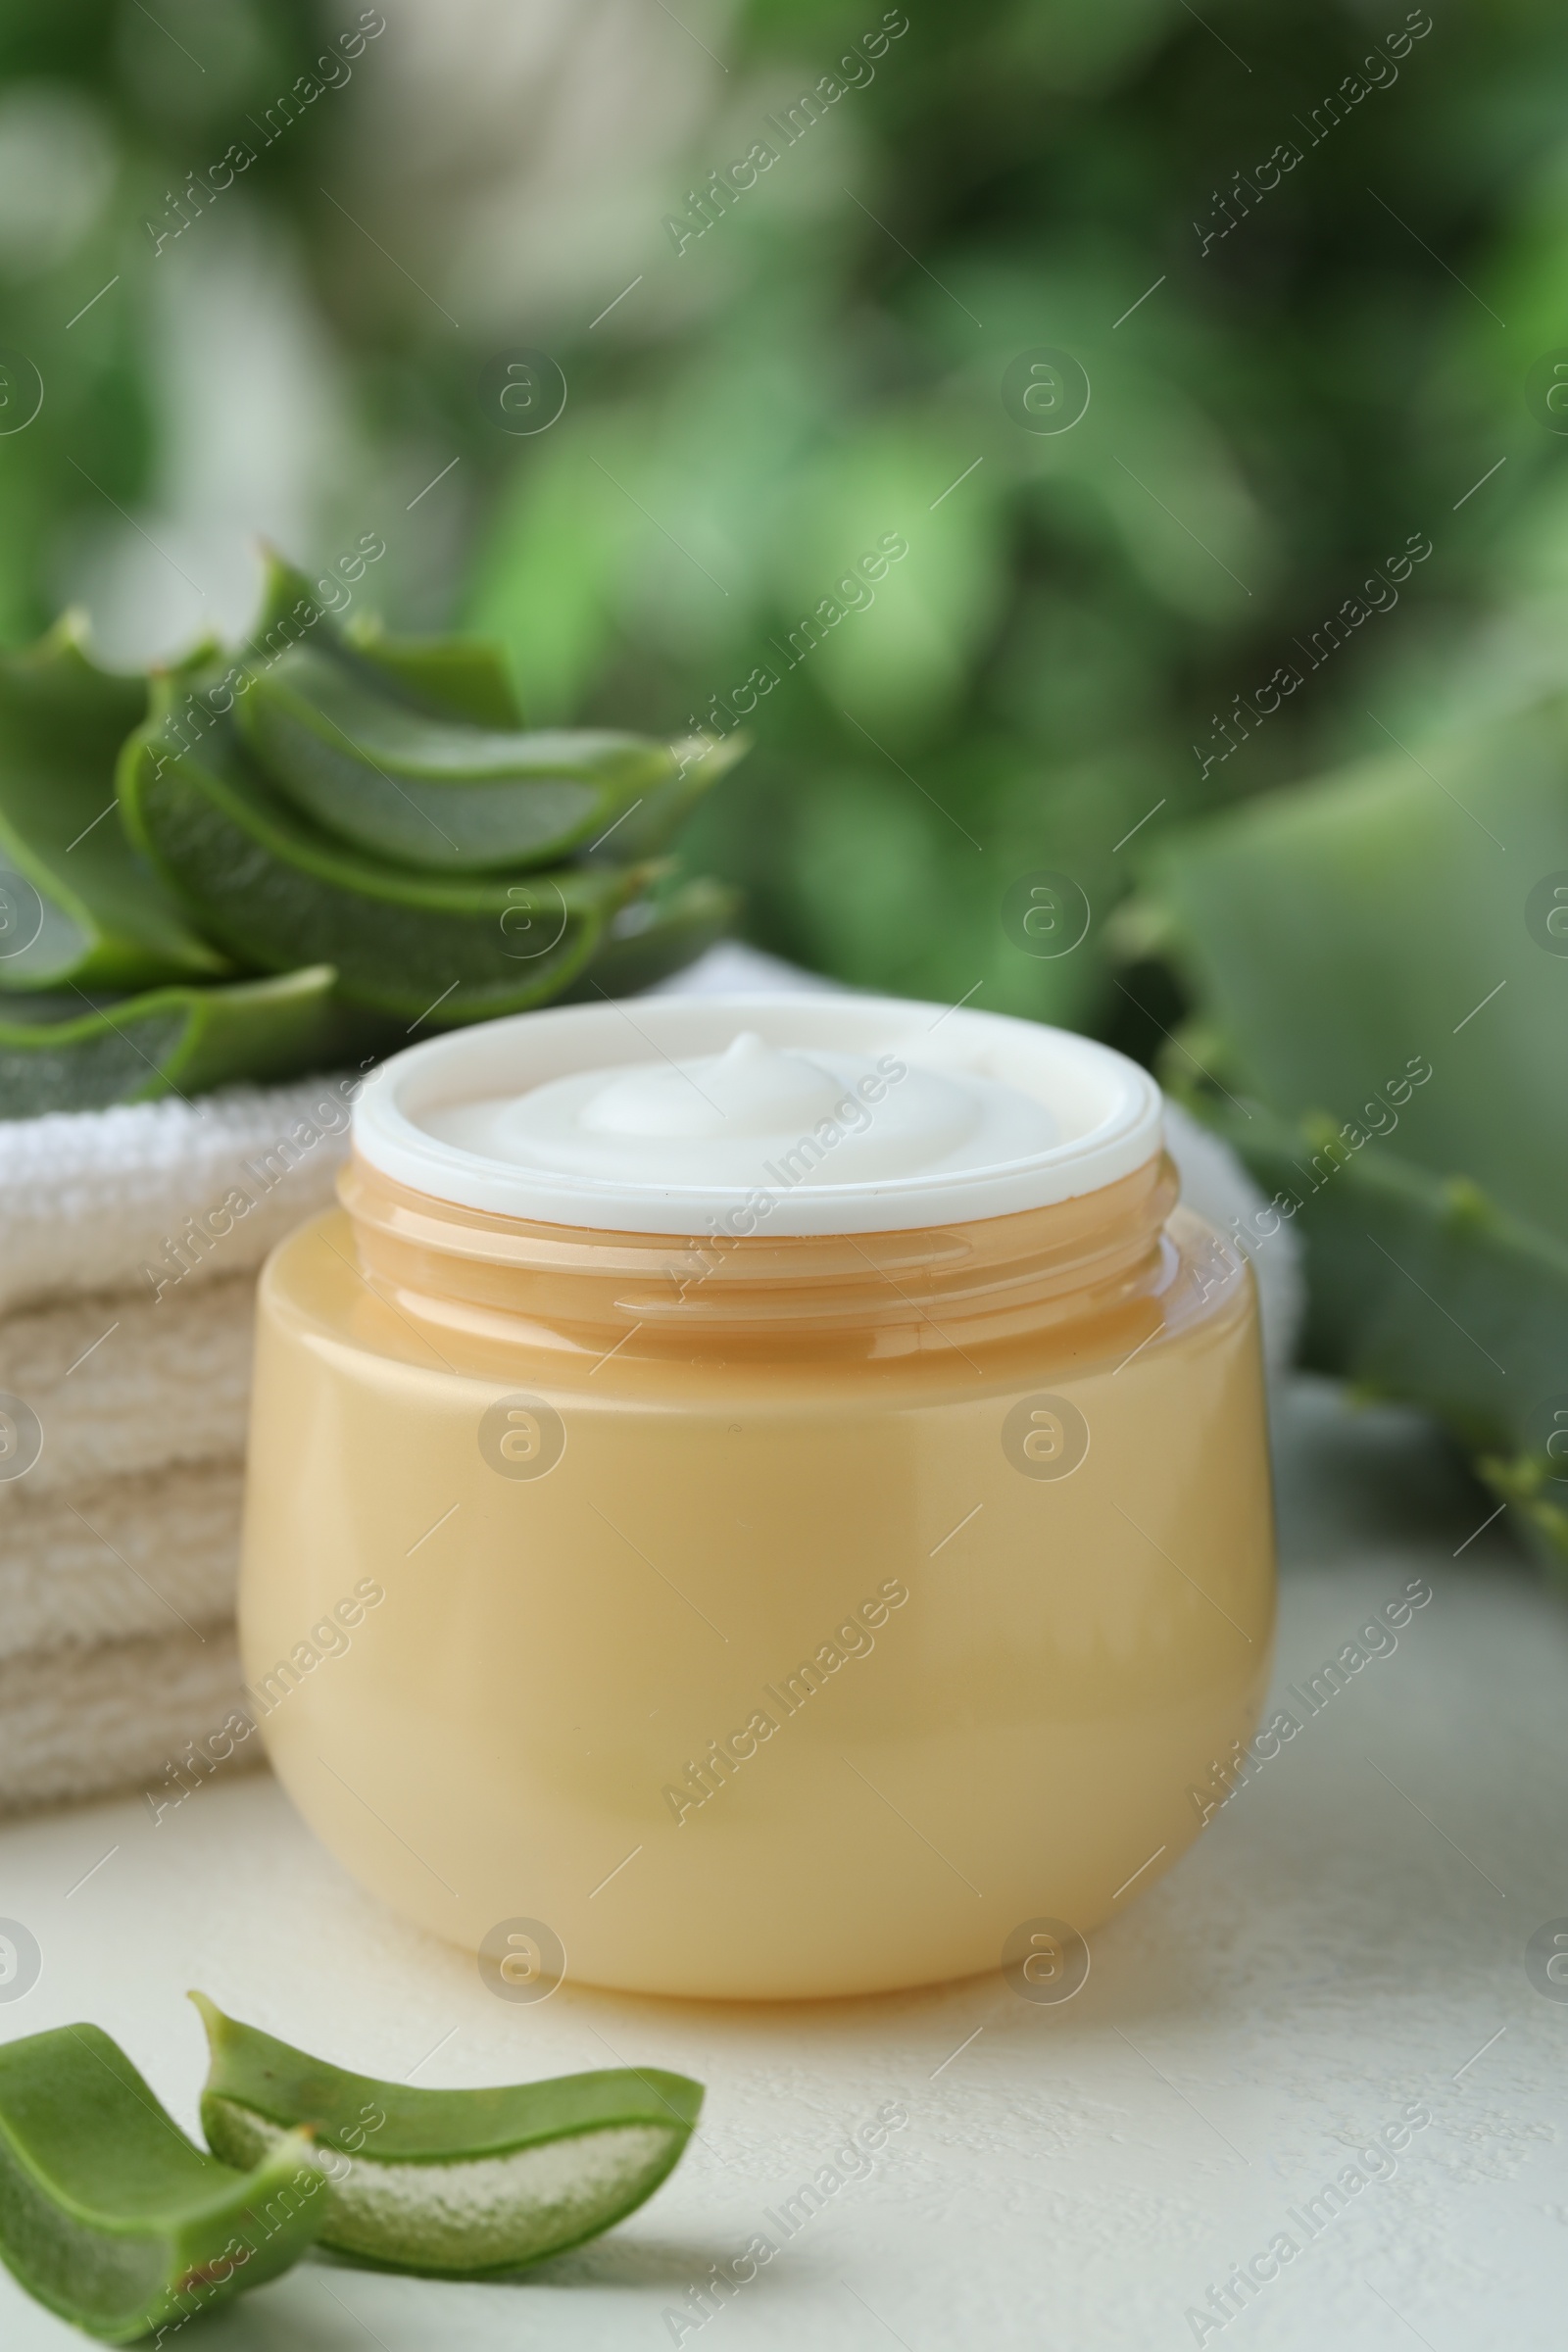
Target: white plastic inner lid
[(766, 1114)]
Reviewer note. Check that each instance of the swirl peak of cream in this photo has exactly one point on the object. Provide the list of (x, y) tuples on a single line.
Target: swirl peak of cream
[(792, 1113), (743, 1117), (750, 1089)]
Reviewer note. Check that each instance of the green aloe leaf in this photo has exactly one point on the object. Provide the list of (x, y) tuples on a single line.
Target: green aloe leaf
[(457, 2184), (414, 749), (198, 868), (82, 906), (278, 893), (1334, 930), (1384, 1029), (652, 937), (435, 791), (111, 2215), (467, 677), (454, 677), (647, 827), (1421, 1288), (66, 1051)]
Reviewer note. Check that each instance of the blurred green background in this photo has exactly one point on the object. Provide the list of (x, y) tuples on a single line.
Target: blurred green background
[(302, 351), (1054, 431)]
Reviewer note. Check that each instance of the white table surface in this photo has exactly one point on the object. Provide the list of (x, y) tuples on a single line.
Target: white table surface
[(1340, 1943)]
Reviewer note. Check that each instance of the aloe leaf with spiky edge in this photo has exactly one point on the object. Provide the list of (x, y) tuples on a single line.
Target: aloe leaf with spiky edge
[(321, 876), (414, 751), (83, 909), (1384, 1024), (436, 794), (68, 1050), (648, 939), (278, 892), (1420, 1288), (467, 677)]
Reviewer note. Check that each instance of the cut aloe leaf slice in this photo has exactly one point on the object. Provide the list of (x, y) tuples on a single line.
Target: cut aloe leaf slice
[(112, 2217), (651, 821), (77, 904), (66, 1051), (456, 677), (436, 792), (455, 2184), (652, 937), (467, 677), (280, 894)]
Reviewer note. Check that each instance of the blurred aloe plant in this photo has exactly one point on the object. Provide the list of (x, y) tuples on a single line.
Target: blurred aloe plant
[(263, 862), (1284, 391), (1379, 967), (1285, 387)]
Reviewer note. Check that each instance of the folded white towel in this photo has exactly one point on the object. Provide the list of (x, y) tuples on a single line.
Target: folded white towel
[(154, 1197), (124, 1383), (128, 1245), (116, 1559), (76, 1723)]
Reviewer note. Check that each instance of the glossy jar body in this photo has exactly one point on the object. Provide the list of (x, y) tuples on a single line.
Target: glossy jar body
[(782, 1618)]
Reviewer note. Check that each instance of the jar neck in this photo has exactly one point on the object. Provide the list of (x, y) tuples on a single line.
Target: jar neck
[(584, 1293)]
